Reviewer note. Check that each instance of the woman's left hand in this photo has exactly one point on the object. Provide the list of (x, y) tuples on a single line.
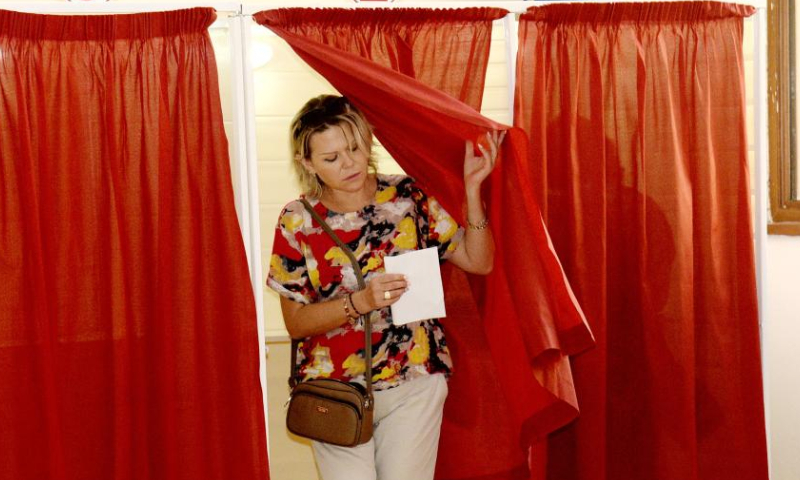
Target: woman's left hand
[(477, 168)]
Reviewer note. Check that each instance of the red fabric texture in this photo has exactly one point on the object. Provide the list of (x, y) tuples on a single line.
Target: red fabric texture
[(128, 341), (638, 151), (509, 333)]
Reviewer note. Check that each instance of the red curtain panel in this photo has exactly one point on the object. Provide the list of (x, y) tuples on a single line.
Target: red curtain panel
[(418, 76), (636, 120), (128, 343)]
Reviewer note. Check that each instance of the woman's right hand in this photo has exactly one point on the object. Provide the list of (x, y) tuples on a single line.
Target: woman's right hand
[(382, 291)]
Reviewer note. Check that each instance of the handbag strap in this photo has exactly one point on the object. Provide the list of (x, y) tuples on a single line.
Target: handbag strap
[(294, 377)]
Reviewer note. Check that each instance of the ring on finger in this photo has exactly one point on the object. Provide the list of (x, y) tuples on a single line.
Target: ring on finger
[(387, 295)]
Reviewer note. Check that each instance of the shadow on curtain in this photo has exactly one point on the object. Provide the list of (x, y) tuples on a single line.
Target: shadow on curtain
[(128, 342), (636, 120)]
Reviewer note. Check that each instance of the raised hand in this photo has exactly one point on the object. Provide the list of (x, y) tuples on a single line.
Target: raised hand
[(478, 167)]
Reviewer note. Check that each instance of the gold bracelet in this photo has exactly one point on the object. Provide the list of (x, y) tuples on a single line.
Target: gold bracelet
[(350, 318), (480, 225)]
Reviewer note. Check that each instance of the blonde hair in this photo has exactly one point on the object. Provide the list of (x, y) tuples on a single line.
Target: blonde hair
[(317, 115)]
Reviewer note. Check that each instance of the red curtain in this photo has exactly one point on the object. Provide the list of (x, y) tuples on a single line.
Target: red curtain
[(418, 76), (636, 119), (128, 343)]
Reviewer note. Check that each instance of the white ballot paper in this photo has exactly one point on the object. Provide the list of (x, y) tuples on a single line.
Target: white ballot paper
[(425, 296)]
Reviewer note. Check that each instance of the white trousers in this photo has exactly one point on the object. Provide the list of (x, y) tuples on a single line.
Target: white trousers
[(405, 437)]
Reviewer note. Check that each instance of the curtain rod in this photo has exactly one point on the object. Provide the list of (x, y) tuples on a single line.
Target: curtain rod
[(86, 7), (518, 6), (63, 7)]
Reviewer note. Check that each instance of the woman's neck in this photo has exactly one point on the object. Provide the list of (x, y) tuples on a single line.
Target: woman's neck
[(343, 202)]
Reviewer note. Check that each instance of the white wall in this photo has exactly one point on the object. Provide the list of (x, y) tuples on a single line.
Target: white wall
[(781, 343)]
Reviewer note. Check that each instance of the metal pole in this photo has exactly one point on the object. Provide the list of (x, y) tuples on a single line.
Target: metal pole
[(512, 43), (760, 190), (244, 137)]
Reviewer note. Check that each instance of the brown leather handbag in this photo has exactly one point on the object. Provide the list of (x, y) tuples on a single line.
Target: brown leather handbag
[(328, 410)]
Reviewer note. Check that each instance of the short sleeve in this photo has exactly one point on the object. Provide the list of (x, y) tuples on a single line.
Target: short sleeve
[(444, 232), (288, 270)]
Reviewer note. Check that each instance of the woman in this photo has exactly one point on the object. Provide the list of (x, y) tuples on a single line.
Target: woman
[(376, 215)]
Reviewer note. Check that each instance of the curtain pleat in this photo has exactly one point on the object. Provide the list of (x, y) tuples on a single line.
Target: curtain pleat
[(641, 13), (25, 26), (636, 119), (128, 340), (446, 49), (509, 333)]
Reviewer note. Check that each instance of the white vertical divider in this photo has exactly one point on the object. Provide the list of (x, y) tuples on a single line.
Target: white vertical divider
[(761, 140), (761, 147), (512, 44), (247, 199)]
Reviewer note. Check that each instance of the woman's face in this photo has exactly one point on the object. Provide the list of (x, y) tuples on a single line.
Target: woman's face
[(337, 159)]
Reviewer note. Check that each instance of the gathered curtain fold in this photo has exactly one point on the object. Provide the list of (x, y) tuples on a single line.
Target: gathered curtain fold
[(418, 76), (446, 49), (128, 337), (638, 152)]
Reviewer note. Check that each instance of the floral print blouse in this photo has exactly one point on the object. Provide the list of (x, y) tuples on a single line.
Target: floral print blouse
[(306, 266)]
